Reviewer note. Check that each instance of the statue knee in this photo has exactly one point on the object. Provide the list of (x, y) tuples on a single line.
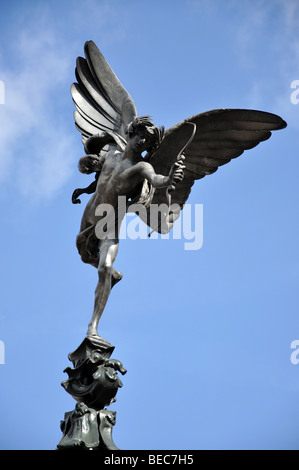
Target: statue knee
[(105, 269)]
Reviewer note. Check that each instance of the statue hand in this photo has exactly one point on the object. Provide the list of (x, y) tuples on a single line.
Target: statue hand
[(176, 173), (75, 196)]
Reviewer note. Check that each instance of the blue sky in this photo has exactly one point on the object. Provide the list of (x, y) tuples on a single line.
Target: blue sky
[(205, 335)]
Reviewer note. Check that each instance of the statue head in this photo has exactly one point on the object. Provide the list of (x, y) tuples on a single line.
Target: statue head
[(144, 125), (89, 164)]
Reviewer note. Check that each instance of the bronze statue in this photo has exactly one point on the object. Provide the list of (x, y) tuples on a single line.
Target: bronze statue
[(114, 139), (121, 171), (138, 166)]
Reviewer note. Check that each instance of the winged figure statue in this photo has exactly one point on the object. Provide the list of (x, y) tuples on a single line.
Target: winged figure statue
[(134, 159)]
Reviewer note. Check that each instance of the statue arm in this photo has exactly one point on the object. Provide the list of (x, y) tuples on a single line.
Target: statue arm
[(89, 190), (159, 181), (91, 163)]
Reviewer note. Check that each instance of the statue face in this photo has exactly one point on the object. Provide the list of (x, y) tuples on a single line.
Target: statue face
[(140, 141)]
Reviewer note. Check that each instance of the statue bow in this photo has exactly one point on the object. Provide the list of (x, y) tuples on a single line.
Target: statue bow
[(171, 187)]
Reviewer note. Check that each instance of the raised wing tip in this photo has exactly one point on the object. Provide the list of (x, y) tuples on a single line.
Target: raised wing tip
[(249, 117), (283, 124), (89, 43), (79, 60), (278, 122), (91, 46)]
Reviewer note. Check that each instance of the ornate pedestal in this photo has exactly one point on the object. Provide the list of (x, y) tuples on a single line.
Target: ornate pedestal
[(93, 383)]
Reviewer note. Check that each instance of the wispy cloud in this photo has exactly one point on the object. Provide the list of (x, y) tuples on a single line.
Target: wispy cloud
[(38, 142), (289, 61), (35, 147), (268, 50)]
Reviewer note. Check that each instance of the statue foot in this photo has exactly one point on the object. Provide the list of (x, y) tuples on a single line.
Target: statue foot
[(116, 277), (92, 332)]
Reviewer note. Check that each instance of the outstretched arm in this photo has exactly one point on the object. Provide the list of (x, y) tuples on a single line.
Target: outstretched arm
[(176, 174)]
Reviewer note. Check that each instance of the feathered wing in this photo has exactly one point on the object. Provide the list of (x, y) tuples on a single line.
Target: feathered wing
[(221, 135), (102, 103)]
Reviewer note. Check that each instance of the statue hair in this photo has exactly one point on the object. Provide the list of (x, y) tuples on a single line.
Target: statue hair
[(145, 123)]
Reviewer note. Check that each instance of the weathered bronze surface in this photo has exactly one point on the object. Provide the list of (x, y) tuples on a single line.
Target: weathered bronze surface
[(135, 164), (93, 383), (115, 138)]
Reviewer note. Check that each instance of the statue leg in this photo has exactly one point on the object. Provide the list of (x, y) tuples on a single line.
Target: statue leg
[(108, 251)]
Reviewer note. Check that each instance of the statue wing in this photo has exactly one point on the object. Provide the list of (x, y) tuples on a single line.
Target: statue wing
[(221, 135), (102, 103)]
